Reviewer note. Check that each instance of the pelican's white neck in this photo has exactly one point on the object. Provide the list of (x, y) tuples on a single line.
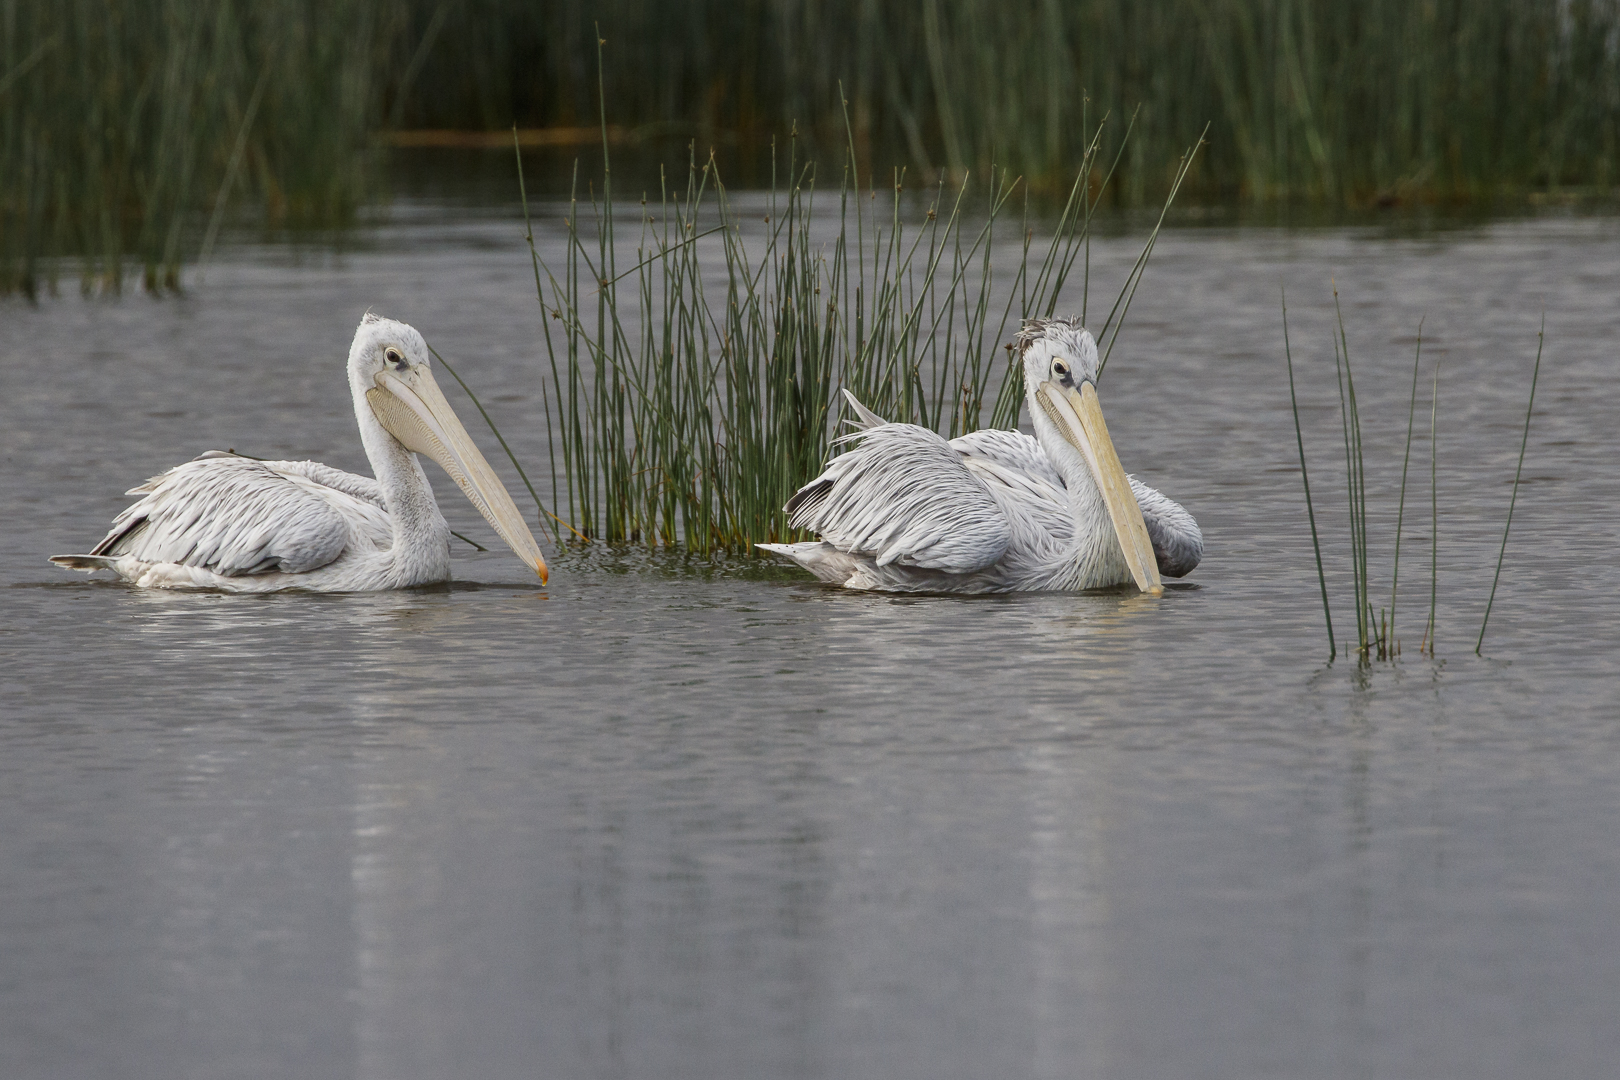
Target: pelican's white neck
[(419, 528)]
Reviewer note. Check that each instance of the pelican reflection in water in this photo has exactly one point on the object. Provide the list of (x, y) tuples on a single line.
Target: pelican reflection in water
[(995, 511), (235, 523)]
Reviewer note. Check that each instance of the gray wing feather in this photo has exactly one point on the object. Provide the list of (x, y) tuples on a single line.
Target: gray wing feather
[(1021, 477), (902, 494), (237, 516), (1178, 543), (360, 487)]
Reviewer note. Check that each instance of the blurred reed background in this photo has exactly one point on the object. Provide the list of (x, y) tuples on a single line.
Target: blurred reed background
[(129, 127), (124, 125)]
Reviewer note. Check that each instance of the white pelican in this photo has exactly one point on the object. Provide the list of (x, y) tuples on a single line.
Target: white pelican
[(995, 511), (236, 523)]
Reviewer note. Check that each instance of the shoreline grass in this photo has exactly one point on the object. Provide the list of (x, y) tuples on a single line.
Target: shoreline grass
[(129, 130), (1381, 101)]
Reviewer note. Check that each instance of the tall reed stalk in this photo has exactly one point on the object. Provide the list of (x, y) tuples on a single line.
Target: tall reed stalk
[(1434, 513), (1370, 631), (1305, 477), (1513, 500), (1406, 461)]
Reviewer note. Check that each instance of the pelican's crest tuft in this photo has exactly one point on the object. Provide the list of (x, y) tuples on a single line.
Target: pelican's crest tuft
[(1064, 331)]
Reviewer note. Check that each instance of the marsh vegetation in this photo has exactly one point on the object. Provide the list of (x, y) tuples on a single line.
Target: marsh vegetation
[(127, 130), (131, 130)]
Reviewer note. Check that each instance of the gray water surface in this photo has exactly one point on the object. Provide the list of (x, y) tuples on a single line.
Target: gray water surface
[(665, 820)]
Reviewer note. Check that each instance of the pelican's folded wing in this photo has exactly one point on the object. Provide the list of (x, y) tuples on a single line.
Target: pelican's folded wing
[(902, 494), (1178, 543), (235, 516)]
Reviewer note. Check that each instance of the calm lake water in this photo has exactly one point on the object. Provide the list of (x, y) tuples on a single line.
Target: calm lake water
[(662, 821)]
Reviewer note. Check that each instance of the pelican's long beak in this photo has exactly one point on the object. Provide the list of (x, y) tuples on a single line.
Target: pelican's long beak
[(413, 409), (1078, 416)]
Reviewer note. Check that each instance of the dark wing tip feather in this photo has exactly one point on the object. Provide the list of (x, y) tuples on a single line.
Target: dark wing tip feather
[(804, 502), (83, 562)]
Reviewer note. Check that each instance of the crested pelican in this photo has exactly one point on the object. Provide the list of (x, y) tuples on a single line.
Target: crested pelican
[(995, 511), (222, 521)]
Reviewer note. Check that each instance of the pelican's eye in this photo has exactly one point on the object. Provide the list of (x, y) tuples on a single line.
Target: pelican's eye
[(1059, 368), (395, 357)]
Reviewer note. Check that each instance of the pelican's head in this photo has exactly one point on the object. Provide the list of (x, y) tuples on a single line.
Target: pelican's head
[(1060, 350), (388, 364), (1060, 383)]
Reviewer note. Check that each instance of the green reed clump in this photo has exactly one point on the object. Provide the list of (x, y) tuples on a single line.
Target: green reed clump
[(1375, 627), (692, 391), (127, 129)]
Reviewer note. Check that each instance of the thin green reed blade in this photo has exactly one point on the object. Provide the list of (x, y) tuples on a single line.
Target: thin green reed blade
[(1310, 507), (1434, 508), (498, 436), (1127, 292), (1350, 490), (1406, 460), (1042, 292), (1524, 441), (1356, 467)]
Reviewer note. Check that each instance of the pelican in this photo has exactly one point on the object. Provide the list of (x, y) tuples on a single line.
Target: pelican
[(995, 511), (223, 521)]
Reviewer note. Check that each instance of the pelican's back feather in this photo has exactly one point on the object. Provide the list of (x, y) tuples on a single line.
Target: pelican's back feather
[(239, 516), (1011, 450)]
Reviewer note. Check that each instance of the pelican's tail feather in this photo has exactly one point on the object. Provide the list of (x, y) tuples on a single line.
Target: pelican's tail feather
[(821, 559), (87, 563)]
